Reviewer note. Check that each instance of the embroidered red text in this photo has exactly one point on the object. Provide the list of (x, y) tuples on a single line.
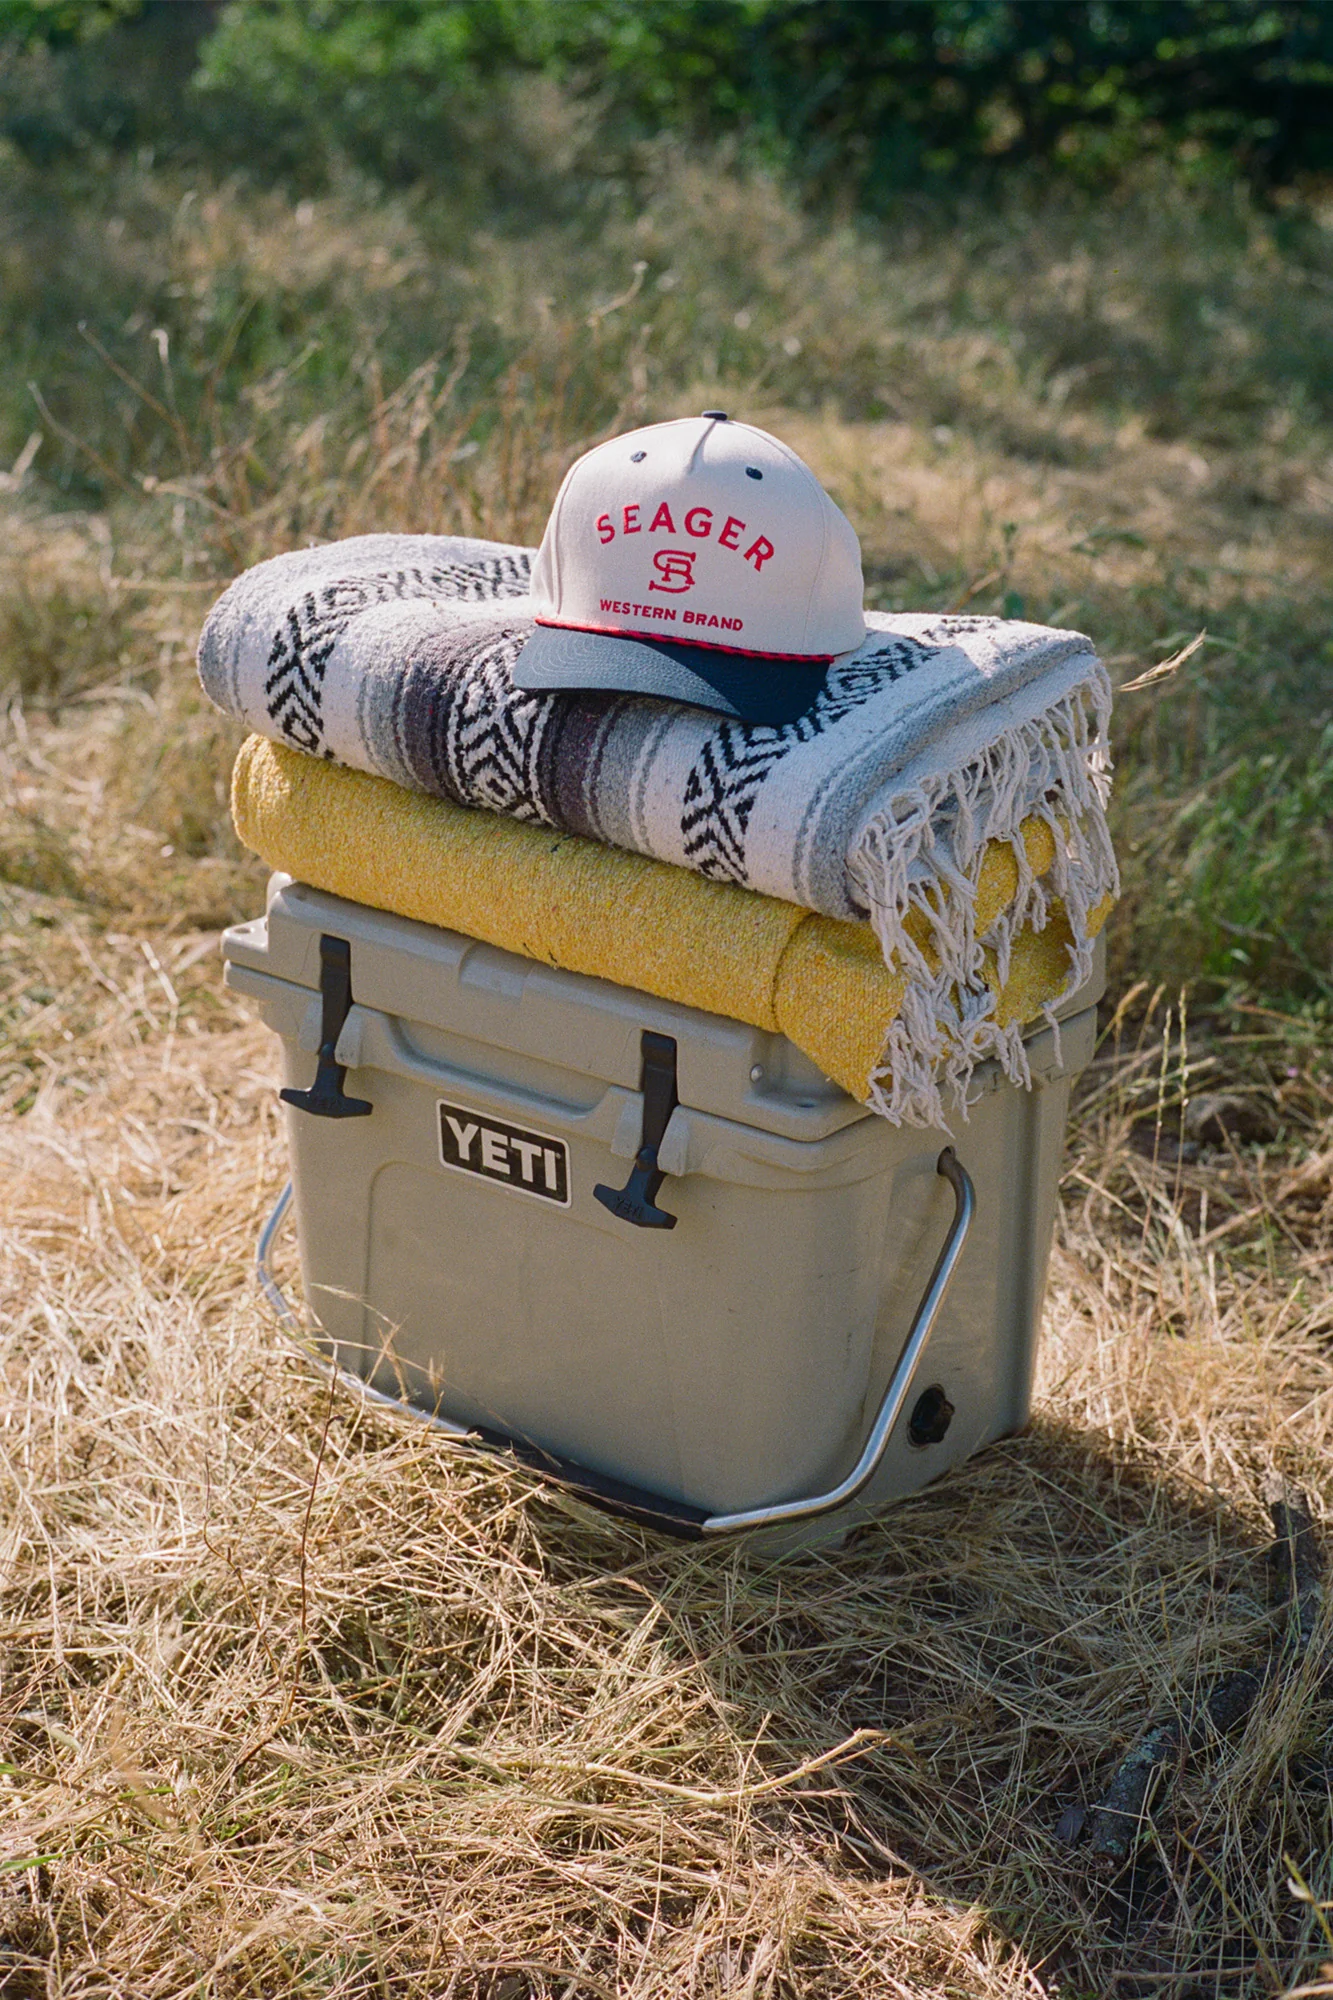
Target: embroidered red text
[(699, 522), (616, 607), (619, 610)]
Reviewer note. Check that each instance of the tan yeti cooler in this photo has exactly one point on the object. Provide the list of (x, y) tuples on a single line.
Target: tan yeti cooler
[(651, 1251)]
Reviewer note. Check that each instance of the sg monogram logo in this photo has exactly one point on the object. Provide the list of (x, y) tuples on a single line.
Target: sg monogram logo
[(676, 569)]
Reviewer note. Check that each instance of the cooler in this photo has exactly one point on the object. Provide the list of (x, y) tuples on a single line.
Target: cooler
[(652, 1252)]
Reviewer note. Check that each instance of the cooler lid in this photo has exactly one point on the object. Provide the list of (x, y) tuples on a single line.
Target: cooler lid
[(513, 1019)]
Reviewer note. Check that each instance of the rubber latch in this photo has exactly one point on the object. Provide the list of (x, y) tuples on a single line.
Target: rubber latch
[(636, 1202), (326, 1097)]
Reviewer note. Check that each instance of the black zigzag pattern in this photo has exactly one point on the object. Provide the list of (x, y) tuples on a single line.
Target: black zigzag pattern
[(313, 626), (720, 793), (486, 737), (725, 782), (300, 652)]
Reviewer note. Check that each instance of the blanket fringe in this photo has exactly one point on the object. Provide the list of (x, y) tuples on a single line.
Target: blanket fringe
[(921, 851)]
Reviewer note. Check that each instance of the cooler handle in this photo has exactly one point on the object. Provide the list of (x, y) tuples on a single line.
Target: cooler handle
[(900, 1382), (672, 1517)]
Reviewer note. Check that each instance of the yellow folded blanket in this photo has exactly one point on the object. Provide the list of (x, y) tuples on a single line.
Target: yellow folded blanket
[(616, 915)]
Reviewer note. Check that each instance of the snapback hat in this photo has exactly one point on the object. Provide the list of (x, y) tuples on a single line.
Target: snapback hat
[(700, 561)]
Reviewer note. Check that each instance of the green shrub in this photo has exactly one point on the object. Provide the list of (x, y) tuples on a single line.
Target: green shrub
[(396, 88), (79, 78), (855, 98)]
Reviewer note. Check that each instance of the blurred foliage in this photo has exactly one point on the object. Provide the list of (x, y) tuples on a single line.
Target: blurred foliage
[(855, 100), (388, 87), (62, 21), (863, 96), (80, 79)]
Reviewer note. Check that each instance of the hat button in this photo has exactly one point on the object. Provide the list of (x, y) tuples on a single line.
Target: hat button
[(720, 415)]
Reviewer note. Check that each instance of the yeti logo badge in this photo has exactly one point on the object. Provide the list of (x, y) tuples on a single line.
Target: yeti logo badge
[(676, 569), (471, 1142)]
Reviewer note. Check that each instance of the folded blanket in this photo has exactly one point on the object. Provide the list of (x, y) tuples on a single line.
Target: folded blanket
[(603, 911), (393, 654)]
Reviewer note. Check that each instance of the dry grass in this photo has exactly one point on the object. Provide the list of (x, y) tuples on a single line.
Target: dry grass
[(1110, 415), (294, 1700), (297, 1700)]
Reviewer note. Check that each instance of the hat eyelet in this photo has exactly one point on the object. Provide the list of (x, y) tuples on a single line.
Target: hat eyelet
[(753, 472), (637, 457)]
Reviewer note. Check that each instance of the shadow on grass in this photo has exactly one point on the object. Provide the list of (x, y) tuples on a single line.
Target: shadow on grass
[(1012, 1631)]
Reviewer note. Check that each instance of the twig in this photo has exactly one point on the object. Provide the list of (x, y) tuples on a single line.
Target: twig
[(251, 1749), (975, 589), (543, 1969), (1164, 668), (1119, 1818), (72, 438), (1297, 1563), (1120, 1815), (855, 1745)]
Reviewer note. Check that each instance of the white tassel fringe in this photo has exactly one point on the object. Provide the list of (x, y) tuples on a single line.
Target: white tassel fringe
[(1057, 768)]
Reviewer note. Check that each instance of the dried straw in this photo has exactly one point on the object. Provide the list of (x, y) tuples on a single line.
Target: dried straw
[(297, 1699)]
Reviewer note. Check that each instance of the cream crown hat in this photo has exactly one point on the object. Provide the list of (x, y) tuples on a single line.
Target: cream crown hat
[(698, 560)]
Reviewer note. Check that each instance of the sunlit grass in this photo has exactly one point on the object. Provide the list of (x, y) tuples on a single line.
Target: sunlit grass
[(1114, 416), (429, 1730)]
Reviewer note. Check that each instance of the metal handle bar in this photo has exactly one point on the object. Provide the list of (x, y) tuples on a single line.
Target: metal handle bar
[(900, 1382), (671, 1517)]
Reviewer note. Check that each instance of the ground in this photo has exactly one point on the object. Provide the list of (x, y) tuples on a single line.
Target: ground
[(296, 1699)]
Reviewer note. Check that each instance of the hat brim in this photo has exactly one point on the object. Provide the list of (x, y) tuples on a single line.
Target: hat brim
[(768, 692)]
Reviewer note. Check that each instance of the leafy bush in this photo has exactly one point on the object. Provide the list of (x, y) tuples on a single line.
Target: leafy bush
[(81, 77), (855, 99), (26, 22), (392, 87)]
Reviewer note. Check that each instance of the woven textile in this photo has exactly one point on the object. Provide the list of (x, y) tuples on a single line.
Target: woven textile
[(601, 911), (393, 654)]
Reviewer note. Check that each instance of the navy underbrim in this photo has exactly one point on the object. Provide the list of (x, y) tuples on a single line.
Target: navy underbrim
[(772, 692)]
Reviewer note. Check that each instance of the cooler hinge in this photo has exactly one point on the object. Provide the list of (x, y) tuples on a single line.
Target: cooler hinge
[(326, 1098)]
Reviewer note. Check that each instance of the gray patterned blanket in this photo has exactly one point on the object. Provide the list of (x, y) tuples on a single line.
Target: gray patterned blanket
[(393, 654)]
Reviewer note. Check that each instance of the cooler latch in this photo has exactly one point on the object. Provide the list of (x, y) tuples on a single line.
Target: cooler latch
[(636, 1201), (326, 1098)]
